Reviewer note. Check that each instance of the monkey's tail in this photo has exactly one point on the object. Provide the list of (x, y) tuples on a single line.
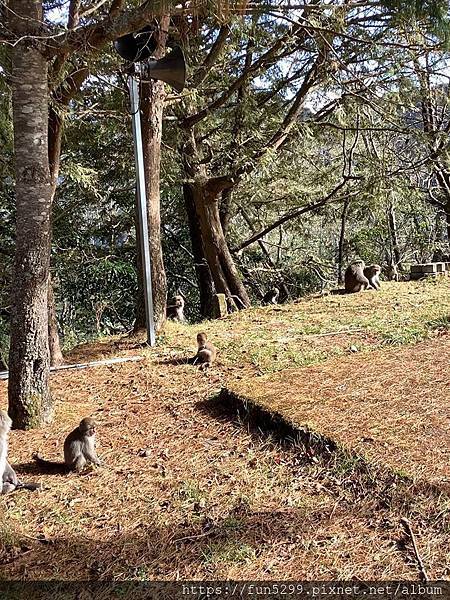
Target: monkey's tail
[(33, 487), (338, 292), (49, 465)]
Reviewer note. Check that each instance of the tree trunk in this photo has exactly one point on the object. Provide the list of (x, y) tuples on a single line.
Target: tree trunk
[(342, 242), (443, 179), (204, 194), (152, 104), (225, 210), (54, 346), (29, 396), (205, 281), (54, 156), (61, 98), (223, 270)]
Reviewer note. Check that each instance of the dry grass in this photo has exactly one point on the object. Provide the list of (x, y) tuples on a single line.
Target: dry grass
[(215, 498), (392, 410)]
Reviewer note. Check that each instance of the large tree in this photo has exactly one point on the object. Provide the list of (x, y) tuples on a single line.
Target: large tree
[(36, 43)]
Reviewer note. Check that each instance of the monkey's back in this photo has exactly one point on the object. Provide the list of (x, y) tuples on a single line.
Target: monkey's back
[(207, 353), (72, 447), (354, 277)]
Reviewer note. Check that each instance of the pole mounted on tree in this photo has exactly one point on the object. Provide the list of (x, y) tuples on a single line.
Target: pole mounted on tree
[(139, 47)]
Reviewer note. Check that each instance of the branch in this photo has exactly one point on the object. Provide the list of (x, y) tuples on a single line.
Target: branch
[(213, 55), (252, 69), (293, 214), (107, 30)]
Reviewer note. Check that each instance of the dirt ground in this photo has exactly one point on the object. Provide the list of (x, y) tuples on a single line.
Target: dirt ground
[(190, 491)]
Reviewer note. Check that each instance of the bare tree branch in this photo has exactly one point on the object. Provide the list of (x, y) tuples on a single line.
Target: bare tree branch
[(296, 213)]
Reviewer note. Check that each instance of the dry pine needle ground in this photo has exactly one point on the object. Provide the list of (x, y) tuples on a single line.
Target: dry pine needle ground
[(188, 491)]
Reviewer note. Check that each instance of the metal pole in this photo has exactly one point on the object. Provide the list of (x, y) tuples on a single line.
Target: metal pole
[(142, 208)]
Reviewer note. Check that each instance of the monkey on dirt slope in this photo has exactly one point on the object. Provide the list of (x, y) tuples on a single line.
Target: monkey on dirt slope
[(79, 449), (206, 353), (354, 278)]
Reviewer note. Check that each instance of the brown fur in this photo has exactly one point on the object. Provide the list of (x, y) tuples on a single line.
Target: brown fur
[(373, 275), (355, 280), (206, 353), (79, 449)]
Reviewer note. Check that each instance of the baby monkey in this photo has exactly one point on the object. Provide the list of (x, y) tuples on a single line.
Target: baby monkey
[(79, 449), (206, 353)]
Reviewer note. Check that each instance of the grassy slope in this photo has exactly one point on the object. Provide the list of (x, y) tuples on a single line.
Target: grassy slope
[(211, 498)]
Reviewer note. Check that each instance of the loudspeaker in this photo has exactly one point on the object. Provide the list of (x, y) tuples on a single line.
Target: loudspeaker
[(137, 46), (171, 69)]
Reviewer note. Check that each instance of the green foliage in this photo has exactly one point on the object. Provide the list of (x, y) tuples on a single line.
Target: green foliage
[(372, 87), (434, 13)]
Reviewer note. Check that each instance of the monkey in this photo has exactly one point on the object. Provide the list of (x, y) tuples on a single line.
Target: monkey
[(271, 296), (5, 426), (354, 278), (175, 310), (79, 449), (373, 275), (9, 479), (392, 273), (206, 353)]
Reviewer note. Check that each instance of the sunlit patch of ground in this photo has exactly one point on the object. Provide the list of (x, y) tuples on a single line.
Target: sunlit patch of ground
[(393, 409)]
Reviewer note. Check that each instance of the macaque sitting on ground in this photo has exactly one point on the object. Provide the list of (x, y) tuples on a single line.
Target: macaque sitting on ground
[(354, 278), (392, 273), (271, 296), (9, 479), (79, 449), (206, 353), (175, 310), (373, 275)]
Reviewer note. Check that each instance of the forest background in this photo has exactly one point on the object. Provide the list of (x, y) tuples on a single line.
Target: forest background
[(307, 136)]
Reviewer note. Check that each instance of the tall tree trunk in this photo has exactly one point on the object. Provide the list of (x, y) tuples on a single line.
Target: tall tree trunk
[(223, 270), (443, 179), (152, 105), (56, 113), (225, 210), (206, 193), (54, 346), (29, 396), (54, 155), (204, 279), (344, 215)]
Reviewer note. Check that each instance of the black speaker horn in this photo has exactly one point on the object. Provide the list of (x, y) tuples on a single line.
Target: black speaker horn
[(171, 69), (137, 46)]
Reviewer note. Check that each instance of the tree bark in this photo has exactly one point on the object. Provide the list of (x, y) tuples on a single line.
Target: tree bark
[(152, 105), (204, 279), (56, 116), (221, 265), (29, 398), (54, 346), (54, 155)]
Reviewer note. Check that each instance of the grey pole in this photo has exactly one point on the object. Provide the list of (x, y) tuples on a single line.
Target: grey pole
[(142, 208)]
